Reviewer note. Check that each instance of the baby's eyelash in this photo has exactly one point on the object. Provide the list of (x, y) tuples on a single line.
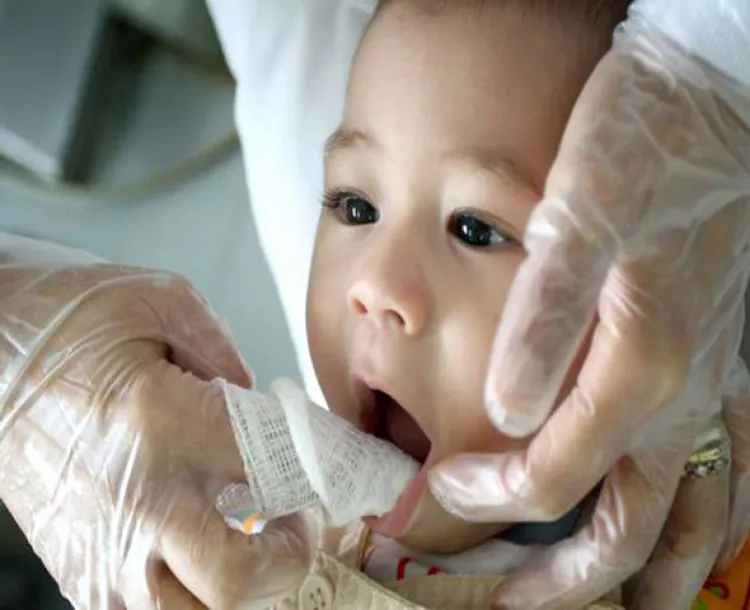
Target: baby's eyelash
[(333, 198)]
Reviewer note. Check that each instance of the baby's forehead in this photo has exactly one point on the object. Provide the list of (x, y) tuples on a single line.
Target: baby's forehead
[(491, 26), (452, 77), (579, 27)]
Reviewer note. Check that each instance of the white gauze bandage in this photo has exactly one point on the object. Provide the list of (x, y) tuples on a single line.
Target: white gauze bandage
[(298, 455)]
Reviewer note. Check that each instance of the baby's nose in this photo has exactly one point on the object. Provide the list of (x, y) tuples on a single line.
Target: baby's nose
[(394, 300)]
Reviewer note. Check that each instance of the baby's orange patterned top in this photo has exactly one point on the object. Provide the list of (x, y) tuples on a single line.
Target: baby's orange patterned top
[(728, 591)]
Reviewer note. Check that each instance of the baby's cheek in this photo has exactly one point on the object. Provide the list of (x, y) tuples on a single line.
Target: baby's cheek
[(465, 425), (475, 433)]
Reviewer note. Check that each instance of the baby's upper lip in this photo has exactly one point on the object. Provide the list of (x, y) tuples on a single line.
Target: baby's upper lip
[(365, 387), (368, 412), (366, 384)]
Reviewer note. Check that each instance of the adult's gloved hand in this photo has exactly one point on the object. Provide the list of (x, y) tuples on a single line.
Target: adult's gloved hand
[(114, 445), (642, 240)]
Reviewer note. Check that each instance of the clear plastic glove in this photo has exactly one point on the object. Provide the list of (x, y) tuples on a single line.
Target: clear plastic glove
[(114, 446), (642, 239), (737, 420)]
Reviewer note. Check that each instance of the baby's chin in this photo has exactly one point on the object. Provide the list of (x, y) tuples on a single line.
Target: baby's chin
[(436, 531), (444, 540)]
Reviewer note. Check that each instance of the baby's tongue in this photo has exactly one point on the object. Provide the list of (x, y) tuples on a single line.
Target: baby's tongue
[(405, 433)]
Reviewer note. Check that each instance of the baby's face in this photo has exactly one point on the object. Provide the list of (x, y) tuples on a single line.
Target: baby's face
[(452, 120)]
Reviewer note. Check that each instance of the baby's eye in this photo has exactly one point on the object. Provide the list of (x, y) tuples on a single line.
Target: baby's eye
[(351, 209), (475, 232)]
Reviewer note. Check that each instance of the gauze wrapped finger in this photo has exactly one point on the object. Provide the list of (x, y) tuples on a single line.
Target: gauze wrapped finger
[(298, 455)]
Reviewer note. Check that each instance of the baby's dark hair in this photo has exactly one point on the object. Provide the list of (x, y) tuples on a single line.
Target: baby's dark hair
[(598, 13)]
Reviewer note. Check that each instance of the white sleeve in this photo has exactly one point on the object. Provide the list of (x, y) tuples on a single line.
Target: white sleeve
[(717, 31), (291, 60), (37, 252)]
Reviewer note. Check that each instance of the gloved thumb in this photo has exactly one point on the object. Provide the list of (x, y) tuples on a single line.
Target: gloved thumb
[(226, 569), (221, 568)]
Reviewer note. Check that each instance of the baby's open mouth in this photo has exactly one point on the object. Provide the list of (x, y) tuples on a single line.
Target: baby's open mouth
[(385, 417), (395, 424)]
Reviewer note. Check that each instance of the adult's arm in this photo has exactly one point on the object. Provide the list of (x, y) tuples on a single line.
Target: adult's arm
[(114, 443)]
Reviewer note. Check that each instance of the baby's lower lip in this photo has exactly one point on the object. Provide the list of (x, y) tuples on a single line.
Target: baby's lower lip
[(395, 523)]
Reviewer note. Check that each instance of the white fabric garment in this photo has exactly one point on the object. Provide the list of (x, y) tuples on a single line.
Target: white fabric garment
[(291, 60), (717, 31), (385, 560), (298, 456)]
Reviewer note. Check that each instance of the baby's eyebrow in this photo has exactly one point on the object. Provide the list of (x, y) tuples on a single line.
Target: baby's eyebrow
[(345, 137), (500, 161)]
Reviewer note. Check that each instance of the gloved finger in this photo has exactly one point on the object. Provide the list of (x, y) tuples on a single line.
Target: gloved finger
[(614, 544), (226, 569), (545, 319), (158, 589), (170, 593), (199, 342), (188, 403), (572, 239), (688, 548), (127, 303), (737, 420)]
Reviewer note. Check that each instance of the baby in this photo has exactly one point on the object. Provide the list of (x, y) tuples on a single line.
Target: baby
[(454, 113), (453, 116)]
